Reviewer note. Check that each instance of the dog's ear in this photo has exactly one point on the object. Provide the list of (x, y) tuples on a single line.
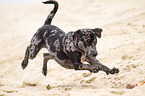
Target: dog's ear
[(77, 34), (98, 32)]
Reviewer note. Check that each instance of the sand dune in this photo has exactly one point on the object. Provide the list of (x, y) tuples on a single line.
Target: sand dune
[(122, 45)]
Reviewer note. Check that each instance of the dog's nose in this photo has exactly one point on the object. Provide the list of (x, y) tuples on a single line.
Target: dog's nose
[(95, 54)]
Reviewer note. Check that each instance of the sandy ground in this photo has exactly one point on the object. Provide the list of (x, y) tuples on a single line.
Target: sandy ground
[(122, 45)]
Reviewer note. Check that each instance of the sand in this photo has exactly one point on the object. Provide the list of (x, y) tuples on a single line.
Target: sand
[(122, 46)]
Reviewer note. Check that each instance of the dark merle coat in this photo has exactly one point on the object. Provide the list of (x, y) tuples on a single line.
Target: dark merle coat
[(69, 50)]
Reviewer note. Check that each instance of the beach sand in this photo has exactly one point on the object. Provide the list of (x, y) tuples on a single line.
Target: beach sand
[(122, 46)]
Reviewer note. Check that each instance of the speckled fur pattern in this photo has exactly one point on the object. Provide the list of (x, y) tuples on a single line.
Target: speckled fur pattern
[(69, 50)]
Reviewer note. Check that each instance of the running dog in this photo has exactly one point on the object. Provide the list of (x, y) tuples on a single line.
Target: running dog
[(69, 50)]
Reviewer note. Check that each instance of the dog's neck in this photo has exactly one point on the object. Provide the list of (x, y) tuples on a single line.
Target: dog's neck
[(69, 43)]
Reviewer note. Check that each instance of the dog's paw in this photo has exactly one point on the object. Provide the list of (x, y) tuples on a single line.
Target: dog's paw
[(24, 64), (44, 71), (112, 71)]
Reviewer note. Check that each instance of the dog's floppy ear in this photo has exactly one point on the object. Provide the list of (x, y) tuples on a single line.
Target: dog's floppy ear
[(77, 34), (98, 32)]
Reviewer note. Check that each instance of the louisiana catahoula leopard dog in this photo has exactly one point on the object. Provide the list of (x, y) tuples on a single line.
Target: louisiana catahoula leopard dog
[(69, 50)]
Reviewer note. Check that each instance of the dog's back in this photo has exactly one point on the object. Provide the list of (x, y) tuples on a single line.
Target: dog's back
[(43, 36)]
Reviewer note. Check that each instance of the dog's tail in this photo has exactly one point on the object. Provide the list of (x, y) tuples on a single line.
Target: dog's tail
[(52, 13)]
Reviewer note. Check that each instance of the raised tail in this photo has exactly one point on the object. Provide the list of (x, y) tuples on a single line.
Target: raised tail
[(52, 13)]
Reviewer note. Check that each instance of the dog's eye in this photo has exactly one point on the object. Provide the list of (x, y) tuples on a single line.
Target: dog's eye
[(87, 43)]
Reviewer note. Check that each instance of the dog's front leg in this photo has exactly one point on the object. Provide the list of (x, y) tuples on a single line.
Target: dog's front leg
[(75, 57), (93, 61)]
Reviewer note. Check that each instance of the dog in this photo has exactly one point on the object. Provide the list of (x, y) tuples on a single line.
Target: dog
[(69, 50)]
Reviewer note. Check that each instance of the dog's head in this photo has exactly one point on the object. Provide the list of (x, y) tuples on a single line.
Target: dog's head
[(86, 40)]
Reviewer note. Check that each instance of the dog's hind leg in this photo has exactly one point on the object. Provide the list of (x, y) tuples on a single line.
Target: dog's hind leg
[(32, 50), (25, 60), (46, 57)]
